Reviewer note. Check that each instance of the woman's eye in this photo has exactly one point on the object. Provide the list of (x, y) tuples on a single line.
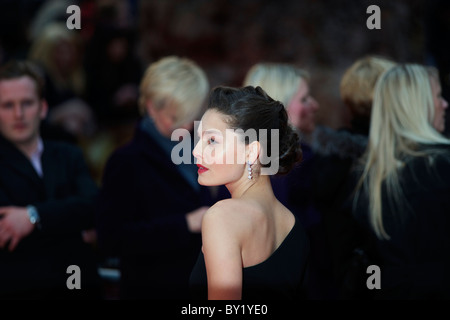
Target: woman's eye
[(211, 140)]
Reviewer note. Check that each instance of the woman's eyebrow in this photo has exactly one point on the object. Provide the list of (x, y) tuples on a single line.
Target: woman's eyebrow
[(208, 131), (211, 131)]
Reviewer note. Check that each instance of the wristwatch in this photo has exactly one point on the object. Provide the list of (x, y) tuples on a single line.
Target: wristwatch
[(33, 215)]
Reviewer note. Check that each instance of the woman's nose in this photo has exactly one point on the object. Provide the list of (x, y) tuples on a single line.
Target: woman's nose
[(315, 104), (197, 151), (444, 103)]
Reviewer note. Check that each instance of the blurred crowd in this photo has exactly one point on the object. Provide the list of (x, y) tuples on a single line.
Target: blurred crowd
[(137, 70)]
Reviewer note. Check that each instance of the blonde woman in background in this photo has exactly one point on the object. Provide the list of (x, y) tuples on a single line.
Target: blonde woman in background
[(357, 89), (59, 52), (336, 153), (402, 202), (150, 210), (289, 85)]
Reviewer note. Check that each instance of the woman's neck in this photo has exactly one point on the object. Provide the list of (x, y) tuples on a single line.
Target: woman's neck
[(259, 185)]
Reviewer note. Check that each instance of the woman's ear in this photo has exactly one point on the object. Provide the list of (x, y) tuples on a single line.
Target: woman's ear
[(253, 151)]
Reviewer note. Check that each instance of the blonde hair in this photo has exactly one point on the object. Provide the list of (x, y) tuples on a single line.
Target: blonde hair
[(402, 116), (174, 81), (358, 83), (41, 52), (280, 81)]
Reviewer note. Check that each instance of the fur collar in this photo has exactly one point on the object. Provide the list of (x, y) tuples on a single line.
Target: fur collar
[(343, 143)]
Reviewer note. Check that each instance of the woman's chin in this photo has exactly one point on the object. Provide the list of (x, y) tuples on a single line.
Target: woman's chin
[(205, 182)]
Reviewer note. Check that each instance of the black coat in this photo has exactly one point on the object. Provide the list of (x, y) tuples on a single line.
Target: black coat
[(141, 219), (414, 262), (64, 198)]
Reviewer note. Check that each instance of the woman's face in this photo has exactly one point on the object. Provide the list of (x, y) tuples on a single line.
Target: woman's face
[(164, 118), (302, 109), (440, 105), (219, 153)]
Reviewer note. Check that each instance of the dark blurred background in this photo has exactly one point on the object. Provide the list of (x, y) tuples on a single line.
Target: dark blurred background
[(101, 64)]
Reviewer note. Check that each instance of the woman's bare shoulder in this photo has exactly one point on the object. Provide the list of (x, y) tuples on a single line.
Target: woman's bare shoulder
[(232, 208), (229, 214)]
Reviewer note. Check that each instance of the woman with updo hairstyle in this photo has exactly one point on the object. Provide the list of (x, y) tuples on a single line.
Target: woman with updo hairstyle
[(290, 84), (253, 246)]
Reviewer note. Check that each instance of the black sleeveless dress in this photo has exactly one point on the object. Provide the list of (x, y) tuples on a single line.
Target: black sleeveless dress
[(281, 276)]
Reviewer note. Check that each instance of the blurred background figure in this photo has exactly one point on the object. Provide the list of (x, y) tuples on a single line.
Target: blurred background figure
[(59, 52), (437, 44), (338, 150), (46, 199), (289, 84), (114, 73), (357, 88), (402, 185), (150, 210)]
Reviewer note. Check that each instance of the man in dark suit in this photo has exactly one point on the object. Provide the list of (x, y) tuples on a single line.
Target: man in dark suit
[(46, 199)]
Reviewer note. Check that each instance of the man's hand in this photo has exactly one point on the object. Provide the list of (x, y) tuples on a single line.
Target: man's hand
[(14, 225)]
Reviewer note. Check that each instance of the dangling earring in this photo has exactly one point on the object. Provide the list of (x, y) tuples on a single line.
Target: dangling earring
[(249, 170)]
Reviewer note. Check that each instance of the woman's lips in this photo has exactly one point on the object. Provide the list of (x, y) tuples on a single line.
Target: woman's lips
[(201, 168)]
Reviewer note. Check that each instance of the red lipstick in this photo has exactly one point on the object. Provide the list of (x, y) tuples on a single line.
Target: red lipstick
[(201, 169)]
